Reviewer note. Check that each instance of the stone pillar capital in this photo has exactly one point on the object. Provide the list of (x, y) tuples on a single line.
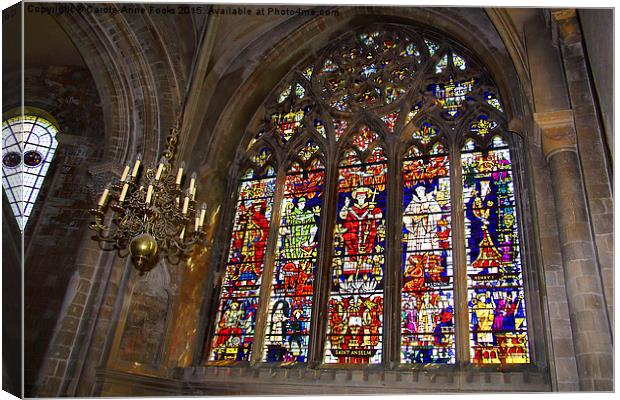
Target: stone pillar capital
[(557, 131), (566, 20)]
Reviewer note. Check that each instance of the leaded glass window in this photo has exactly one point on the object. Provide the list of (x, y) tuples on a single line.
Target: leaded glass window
[(290, 302), (355, 313), (427, 266), (244, 269), (497, 320), (28, 147), (391, 213)]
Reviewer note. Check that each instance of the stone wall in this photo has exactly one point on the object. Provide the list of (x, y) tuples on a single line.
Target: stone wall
[(140, 66)]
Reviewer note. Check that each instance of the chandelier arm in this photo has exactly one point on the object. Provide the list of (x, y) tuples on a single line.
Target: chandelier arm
[(152, 216)]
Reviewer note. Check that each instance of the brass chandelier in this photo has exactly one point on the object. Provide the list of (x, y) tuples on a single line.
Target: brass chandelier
[(147, 214)]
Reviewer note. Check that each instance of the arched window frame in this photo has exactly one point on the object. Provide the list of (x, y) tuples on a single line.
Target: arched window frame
[(395, 147), (23, 184)]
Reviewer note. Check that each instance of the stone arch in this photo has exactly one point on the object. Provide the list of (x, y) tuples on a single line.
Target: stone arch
[(140, 82)]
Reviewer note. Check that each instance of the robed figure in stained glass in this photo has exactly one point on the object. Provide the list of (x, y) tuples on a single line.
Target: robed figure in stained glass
[(424, 238), (299, 229), (421, 220), (482, 214), (361, 221), (256, 235)]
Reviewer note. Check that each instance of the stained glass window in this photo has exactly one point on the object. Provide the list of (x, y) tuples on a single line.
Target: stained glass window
[(290, 305), (427, 269), (355, 314), (390, 120), (497, 318), (29, 144), (236, 316), (288, 124), (451, 95), (379, 93)]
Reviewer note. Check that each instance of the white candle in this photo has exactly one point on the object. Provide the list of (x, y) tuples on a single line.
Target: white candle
[(182, 233), (125, 173), (197, 223), (136, 166), (185, 205), (149, 194), (194, 193), (104, 196), (203, 212), (160, 168), (192, 183), (123, 193), (180, 173)]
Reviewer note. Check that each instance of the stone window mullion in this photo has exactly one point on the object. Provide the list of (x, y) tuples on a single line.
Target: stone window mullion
[(323, 267), (460, 269), (262, 310)]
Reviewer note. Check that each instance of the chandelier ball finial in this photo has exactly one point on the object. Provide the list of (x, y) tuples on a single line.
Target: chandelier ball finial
[(143, 249)]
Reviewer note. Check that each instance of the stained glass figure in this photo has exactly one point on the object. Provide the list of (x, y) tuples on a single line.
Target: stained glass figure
[(452, 94), (290, 304), (427, 270), (29, 144), (355, 319), (236, 316), (497, 312)]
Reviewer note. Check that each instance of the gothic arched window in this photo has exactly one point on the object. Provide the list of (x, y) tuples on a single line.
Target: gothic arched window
[(28, 146), (377, 201)]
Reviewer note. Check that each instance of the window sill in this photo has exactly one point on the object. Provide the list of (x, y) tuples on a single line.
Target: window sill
[(269, 379)]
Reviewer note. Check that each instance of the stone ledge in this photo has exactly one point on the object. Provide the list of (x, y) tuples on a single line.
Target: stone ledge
[(282, 381), (267, 380)]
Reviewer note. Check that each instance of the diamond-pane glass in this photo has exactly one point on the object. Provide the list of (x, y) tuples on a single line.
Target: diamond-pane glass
[(28, 147)]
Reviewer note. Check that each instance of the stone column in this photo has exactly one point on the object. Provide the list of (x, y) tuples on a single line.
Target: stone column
[(588, 315)]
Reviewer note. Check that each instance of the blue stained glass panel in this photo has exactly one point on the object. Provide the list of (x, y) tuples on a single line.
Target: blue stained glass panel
[(496, 300)]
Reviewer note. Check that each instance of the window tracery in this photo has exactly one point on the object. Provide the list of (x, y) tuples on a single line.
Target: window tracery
[(28, 147), (382, 97)]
